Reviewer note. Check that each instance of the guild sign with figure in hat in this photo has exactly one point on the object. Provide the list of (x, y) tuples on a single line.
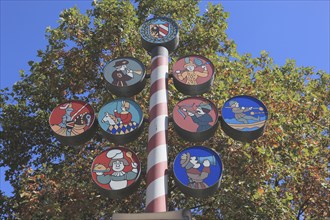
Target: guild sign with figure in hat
[(195, 118), (116, 172), (198, 171), (125, 76), (193, 75)]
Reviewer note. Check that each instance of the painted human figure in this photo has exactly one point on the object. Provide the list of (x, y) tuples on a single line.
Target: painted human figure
[(195, 176), (239, 113), (201, 116), (190, 74), (67, 121), (119, 178), (125, 116), (122, 74)]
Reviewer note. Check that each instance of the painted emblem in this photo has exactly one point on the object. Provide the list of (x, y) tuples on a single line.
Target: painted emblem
[(195, 114), (120, 117), (72, 118), (196, 169), (159, 30), (193, 70), (116, 169), (244, 118), (123, 72), (244, 113)]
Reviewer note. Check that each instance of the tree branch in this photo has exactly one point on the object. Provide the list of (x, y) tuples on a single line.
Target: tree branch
[(302, 208)]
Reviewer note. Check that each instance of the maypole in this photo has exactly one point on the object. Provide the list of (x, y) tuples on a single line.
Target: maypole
[(157, 181), (159, 36), (197, 169)]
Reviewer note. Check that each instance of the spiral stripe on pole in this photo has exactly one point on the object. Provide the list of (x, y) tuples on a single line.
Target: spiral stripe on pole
[(157, 179)]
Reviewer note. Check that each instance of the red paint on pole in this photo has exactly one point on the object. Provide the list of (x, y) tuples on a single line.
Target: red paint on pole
[(157, 144)]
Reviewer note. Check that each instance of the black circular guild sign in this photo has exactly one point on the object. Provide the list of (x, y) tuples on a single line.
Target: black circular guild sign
[(116, 172), (125, 76), (244, 118), (195, 119), (193, 75), (159, 31), (198, 171), (73, 122), (121, 120)]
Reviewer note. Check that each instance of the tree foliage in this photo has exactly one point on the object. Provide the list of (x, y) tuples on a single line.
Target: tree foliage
[(282, 175)]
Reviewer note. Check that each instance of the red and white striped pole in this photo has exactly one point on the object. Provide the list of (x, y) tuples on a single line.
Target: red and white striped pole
[(157, 180)]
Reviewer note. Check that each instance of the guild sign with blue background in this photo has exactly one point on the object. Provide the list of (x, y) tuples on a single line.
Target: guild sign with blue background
[(120, 116), (244, 113), (198, 168)]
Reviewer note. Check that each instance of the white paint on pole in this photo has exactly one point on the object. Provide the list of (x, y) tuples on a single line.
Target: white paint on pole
[(159, 124), (157, 179), (157, 188), (158, 97), (157, 155)]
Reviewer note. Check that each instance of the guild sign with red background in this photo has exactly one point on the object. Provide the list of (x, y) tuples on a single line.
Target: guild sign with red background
[(193, 70), (116, 170), (73, 122), (195, 114)]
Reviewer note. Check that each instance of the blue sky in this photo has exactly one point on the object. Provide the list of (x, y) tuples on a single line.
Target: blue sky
[(286, 29)]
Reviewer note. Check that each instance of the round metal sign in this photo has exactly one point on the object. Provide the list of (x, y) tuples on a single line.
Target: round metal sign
[(125, 76), (159, 31), (244, 118), (195, 119), (198, 171), (121, 120), (193, 75), (73, 122), (116, 171)]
